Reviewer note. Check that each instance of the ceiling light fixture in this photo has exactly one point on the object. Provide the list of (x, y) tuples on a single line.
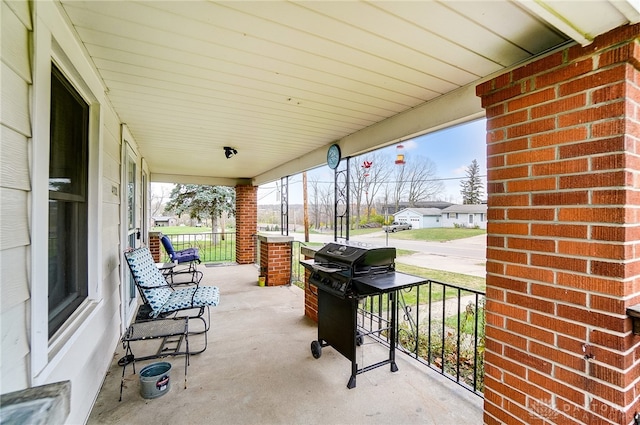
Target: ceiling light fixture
[(229, 152)]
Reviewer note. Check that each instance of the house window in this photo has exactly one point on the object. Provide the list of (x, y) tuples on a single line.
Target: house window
[(68, 170)]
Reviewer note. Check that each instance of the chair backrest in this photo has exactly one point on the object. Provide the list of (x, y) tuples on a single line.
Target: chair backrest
[(148, 278), (168, 246)]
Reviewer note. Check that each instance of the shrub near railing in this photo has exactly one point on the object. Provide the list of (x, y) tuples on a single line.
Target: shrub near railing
[(212, 247)]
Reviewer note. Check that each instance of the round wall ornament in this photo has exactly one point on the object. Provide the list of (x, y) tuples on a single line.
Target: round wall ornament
[(333, 156)]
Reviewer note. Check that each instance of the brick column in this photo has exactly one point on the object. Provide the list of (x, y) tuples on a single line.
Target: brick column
[(563, 159), (275, 259), (310, 291), (155, 246), (246, 223)]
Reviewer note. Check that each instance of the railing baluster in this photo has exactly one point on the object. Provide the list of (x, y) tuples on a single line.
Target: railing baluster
[(444, 315), (430, 283), (475, 345), (213, 247), (458, 341)]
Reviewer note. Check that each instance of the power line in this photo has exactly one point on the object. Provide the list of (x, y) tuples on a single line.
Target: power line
[(421, 180)]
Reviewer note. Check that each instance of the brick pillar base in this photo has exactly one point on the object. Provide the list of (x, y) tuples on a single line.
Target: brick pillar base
[(154, 245), (275, 259), (310, 291)]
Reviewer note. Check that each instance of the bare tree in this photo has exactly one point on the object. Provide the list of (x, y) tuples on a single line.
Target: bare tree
[(315, 196), (423, 183), (159, 196), (379, 174), (358, 171), (326, 195), (399, 185)]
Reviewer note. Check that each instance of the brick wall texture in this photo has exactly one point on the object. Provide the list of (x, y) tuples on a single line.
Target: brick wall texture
[(154, 246), (275, 262), (563, 252), (310, 296), (246, 223)]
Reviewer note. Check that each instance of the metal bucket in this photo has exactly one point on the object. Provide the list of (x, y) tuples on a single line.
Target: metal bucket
[(155, 380)]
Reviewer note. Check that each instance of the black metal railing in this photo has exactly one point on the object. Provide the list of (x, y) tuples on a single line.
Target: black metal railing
[(219, 247), (439, 324), (297, 270)]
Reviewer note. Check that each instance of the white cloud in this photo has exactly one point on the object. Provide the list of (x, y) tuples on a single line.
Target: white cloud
[(460, 171), (409, 144)]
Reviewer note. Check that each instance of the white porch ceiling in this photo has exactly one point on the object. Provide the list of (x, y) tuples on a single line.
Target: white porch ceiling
[(280, 81)]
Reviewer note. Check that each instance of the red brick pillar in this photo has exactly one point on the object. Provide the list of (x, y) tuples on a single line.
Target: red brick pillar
[(275, 259), (154, 246), (310, 291), (563, 159), (246, 223)]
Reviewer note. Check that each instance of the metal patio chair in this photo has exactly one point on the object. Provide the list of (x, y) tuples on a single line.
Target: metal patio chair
[(161, 299), (188, 256)]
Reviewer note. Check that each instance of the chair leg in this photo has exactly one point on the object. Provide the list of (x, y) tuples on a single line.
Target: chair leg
[(207, 325), (207, 322)]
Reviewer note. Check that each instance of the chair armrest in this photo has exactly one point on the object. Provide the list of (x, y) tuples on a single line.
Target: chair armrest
[(154, 287)]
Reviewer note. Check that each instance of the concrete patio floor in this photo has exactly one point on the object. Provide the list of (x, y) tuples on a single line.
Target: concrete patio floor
[(258, 369)]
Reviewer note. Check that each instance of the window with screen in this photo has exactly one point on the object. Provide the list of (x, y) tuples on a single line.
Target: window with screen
[(68, 171)]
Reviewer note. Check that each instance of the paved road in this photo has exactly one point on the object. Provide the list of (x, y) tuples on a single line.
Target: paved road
[(467, 256)]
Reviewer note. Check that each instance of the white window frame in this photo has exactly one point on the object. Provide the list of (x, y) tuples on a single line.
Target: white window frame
[(53, 44)]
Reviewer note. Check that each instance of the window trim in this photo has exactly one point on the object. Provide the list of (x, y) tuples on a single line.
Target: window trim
[(53, 45)]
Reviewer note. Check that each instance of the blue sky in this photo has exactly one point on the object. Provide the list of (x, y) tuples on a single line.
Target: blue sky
[(452, 150)]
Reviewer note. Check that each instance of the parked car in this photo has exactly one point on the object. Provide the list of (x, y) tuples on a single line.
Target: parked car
[(396, 226)]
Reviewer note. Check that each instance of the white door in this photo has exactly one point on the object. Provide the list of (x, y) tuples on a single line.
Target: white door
[(131, 229)]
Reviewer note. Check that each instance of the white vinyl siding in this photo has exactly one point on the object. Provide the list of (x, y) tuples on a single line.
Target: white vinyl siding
[(15, 131), (83, 351)]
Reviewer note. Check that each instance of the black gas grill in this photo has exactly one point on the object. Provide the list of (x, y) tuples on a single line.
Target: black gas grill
[(344, 274), (335, 266)]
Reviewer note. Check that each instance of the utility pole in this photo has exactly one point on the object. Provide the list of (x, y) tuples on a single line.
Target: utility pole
[(305, 207)]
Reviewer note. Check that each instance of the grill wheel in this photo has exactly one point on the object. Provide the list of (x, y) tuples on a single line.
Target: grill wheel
[(316, 349)]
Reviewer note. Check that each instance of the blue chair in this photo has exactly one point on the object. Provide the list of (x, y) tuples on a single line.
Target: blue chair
[(159, 297), (189, 256)]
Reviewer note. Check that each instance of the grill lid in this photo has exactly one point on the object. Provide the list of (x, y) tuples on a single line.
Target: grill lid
[(359, 258)]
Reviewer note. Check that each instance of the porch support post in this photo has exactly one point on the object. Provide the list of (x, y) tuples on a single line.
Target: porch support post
[(310, 291), (246, 223), (154, 245), (563, 243), (275, 259)]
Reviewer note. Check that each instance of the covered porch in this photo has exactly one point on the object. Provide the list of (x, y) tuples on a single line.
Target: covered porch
[(258, 368)]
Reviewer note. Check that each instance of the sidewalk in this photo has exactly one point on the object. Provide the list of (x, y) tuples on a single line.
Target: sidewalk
[(450, 263), (444, 262)]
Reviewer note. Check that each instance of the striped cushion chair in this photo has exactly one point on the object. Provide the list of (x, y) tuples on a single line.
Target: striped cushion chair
[(162, 299)]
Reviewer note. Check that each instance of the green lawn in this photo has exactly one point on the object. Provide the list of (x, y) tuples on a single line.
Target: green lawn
[(177, 230), (437, 234)]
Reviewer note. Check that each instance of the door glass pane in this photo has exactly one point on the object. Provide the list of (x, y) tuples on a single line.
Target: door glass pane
[(131, 194)]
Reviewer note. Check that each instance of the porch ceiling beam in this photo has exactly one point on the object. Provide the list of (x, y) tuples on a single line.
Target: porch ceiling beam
[(453, 108), (587, 29), (630, 9), (185, 179), (549, 14)]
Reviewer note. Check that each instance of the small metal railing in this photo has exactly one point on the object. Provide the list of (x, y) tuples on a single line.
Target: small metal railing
[(218, 247), (439, 324), (297, 270)]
